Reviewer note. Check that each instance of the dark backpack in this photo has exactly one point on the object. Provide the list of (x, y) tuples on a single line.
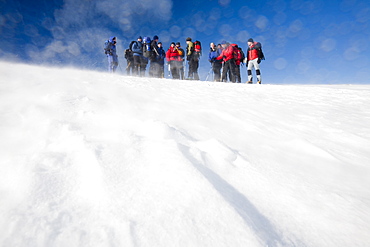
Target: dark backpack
[(260, 52), (242, 53), (131, 44), (128, 52)]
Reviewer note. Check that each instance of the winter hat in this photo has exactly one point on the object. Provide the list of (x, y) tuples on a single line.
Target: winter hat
[(178, 43), (223, 42), (159, 43), (140, 37), (155, 37), (250, 40), (173, 43), (188, 39)]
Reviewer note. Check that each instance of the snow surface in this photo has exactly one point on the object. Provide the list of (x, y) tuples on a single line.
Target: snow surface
[(94, 159)]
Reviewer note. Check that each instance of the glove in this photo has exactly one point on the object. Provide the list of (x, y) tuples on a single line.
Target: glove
[(259, 60)]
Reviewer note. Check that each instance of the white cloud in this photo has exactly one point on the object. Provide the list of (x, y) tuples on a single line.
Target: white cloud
[(328, 45), (280, 63), (262, 22)]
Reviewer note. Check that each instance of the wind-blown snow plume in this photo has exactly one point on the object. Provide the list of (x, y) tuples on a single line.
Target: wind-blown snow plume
[(79, 28)]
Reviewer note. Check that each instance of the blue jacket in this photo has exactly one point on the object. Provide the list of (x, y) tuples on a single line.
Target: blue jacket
[(162, 55), (137, 48), (213, 55)]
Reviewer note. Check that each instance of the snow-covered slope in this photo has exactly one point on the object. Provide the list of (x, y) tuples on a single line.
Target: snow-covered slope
[(93, 159)]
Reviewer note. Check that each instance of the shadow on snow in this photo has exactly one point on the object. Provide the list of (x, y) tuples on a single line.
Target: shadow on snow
[(249, 213)]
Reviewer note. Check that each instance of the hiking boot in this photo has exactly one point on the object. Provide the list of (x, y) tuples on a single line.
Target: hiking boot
[(259, 82), (250, 82)]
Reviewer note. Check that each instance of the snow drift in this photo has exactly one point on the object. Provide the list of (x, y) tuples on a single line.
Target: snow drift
[(93, 159)]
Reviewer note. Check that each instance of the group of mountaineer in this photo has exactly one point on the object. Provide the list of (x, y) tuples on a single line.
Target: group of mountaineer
[(225, 58)]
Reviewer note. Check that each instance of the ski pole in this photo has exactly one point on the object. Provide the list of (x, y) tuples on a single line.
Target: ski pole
[(209, 74)]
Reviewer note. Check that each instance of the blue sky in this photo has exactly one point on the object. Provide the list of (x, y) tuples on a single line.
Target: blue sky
[(303, 41)]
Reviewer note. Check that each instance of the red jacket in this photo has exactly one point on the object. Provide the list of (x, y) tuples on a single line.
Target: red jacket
[(227, 54), (253, 51), (173, 54)]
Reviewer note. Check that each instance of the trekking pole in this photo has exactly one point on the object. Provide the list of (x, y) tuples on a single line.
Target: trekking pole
[(169, 70), (185, 76), (183, 71), (209, 74)]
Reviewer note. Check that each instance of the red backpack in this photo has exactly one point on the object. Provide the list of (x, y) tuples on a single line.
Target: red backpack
[(197, 47), (237, 53)]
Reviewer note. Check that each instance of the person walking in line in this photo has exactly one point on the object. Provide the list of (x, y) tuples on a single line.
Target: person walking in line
[(253, 60), (130, 62), (111, 52), (154, 69), (228, 57), (180, 63), (238, 56), (160, 59), (137, 54), (172, 57), (193, 58), (129, 59), (242, 58), (216, 64)]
